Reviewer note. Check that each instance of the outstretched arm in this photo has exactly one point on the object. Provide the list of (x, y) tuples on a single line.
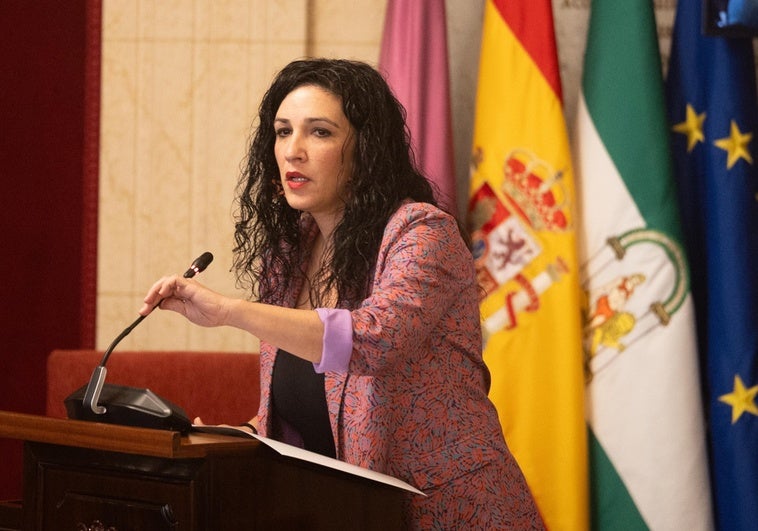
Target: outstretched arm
[(299, 332)]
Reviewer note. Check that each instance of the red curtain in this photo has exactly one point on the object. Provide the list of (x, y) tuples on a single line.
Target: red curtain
[(49, 111)]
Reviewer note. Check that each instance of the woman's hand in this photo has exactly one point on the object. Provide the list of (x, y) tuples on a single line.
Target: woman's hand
[(297, 331), (197, 303)]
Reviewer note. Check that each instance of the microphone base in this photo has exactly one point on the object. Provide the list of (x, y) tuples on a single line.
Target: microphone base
[(129, 406)]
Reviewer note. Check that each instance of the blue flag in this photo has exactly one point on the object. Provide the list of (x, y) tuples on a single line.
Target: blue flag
[(711, 91)]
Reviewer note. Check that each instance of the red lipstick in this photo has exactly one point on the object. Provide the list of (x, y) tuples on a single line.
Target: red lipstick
[(295, 179)]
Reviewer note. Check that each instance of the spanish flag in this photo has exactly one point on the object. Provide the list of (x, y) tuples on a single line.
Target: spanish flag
[(522, 218)]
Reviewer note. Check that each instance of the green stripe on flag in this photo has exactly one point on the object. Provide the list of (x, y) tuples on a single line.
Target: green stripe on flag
[(626, 100), (611, 507)]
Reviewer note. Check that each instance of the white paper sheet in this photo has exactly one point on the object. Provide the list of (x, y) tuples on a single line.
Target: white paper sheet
[(312, 457)]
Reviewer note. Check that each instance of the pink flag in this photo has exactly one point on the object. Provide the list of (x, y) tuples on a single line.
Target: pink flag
[(414, 61)]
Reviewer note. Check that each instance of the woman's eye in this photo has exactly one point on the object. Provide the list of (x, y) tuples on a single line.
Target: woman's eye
[(322, 132), (282, 131)]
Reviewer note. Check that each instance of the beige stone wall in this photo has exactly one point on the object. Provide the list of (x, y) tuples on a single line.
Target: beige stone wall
[(181, 81), (181, 84)]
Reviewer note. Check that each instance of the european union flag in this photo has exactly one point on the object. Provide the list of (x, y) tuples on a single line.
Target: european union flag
[(711, 91)]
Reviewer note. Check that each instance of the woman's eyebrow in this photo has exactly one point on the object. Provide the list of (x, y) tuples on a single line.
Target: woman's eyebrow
[(309, 120)]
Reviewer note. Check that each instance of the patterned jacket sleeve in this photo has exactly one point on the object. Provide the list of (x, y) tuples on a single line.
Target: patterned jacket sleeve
[(423, 267)]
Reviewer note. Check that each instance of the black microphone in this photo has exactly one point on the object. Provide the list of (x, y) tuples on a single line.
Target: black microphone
[(199, 265), (137, 407)]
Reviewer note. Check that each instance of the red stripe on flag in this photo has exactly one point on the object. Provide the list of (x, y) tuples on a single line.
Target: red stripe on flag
[(537, 38)]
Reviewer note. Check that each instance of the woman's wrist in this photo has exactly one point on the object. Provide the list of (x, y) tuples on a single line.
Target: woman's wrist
[(236, 314)]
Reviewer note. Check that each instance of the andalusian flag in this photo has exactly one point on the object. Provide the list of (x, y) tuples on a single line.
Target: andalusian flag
[(647, 440), (713, 115), (521, 214)]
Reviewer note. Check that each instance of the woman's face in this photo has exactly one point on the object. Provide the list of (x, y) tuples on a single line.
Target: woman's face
[(314, 150)]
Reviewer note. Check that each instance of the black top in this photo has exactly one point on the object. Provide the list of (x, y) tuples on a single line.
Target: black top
[(298, 397)]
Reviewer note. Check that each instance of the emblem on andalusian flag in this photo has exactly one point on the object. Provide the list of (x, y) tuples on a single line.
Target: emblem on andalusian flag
[(640, 280)]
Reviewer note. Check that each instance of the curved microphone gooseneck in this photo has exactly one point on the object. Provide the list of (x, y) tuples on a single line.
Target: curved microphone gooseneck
[(95, 386)]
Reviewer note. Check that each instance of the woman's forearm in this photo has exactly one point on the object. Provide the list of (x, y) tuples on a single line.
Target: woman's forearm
[(299, 332)]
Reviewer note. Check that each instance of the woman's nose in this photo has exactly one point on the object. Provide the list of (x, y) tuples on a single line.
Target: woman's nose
[(295, 147)]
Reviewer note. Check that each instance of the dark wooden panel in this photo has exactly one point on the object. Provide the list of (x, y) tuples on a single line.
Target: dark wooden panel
[(70, 487), (231, 487)]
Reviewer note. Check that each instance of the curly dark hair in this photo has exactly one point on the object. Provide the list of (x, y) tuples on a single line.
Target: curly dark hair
[(268, 234)]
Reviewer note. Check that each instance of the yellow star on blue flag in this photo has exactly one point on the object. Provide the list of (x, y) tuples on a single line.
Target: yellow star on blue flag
[(692, 126), (735, 146), (741, 399)]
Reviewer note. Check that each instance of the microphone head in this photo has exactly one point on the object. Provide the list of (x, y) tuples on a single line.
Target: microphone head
[(199, 265)]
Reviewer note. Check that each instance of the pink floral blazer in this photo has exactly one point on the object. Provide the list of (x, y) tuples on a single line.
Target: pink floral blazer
[(412, 402)]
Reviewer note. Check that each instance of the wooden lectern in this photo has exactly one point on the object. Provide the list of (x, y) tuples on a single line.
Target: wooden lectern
[(85, 475)]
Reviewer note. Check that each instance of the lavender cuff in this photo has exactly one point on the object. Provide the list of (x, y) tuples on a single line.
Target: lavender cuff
[(338, 340)]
